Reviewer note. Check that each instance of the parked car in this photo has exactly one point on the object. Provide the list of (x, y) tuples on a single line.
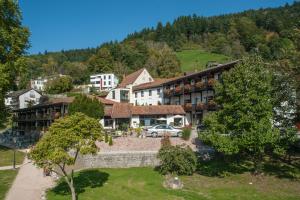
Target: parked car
[(163, 129)]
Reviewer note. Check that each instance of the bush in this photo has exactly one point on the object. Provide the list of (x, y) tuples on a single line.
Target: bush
[(186, 133), (165, 141), (106, 138), (138, 131), (110, 142), (177, 160)]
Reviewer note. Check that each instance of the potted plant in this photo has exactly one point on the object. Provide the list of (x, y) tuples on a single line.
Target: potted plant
[(200, 85), (211, 82), (187, 87), (178, 89), (188, 106), (212, 104), (200, 106)]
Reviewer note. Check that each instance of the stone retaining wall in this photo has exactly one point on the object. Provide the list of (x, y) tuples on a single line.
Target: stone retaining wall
[(118, 160)]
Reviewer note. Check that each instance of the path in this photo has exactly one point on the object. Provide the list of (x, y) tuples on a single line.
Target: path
[(29, 184), (9, 167)]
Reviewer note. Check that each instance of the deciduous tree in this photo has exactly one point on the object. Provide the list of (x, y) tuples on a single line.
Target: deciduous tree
[(14, 41), (243, 125), (66, 139)]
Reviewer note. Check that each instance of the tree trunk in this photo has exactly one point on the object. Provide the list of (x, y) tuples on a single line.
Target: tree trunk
[(73, 192)]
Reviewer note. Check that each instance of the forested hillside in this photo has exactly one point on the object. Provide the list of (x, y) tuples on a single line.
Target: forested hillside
[(274, 34)]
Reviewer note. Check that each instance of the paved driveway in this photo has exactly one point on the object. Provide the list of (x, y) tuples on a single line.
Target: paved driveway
[(29, 184)]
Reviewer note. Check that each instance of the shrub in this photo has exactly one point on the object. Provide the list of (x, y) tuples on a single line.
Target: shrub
[(186, 133), (177, 160), (106, 138), (138, 131), (110, 142), (165, 141)]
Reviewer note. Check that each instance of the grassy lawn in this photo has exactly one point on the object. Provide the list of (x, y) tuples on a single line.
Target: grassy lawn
[(6, 179), (6, 156), (145, 183), (192, 60)]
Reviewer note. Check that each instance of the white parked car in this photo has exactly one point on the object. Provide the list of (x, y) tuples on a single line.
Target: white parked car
[(161, 130)]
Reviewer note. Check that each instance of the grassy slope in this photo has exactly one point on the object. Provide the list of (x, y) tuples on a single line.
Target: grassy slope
[(144, 183), (6, 156), (192, 60), (6, 179)]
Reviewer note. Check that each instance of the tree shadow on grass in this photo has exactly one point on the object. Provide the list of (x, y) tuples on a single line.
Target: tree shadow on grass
[(220, 168), (283, 170), (82, 180)]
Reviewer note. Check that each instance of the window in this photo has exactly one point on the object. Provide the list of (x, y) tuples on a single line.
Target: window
[(150, 92), (32, 94), (158, 91), (178, 122), (108, 76), (104, 83), (97, 82), (109, 83), (104, 77), (142, 93), (113, 94), (136, 94)]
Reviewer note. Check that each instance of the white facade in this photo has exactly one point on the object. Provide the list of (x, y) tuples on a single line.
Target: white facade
[(124, 93), (151, 96), (19, 100), (103, 81), (39, 83)]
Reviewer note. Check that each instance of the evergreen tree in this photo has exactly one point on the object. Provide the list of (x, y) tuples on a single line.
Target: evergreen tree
[(90, 106)]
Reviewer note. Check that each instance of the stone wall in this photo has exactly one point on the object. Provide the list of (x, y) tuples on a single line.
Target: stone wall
[(118, 160)]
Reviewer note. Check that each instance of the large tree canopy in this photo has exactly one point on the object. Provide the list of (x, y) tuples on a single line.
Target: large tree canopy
[(243, 125), (66, 138), (13, 42)]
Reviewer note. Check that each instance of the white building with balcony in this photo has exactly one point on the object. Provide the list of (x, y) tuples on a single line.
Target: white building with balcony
[(103, 82)]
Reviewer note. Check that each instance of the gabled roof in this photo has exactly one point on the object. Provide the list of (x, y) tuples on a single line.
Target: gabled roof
[(106, 101), (129, 79), (16, 94), (153, 84), (121, 110), (203, 72)]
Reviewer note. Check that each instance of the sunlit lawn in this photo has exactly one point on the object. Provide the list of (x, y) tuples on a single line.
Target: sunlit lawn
[(145, 183), (6, 179), (7, 155), (192, 60)]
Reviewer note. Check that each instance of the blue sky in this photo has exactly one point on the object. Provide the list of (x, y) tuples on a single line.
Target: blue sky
[(69, 24)]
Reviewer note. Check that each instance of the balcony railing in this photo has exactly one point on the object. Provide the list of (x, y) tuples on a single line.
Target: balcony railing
[(188, 88), (211, 105)]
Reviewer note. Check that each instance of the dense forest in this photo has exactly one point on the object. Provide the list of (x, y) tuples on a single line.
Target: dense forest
[(272, 33)]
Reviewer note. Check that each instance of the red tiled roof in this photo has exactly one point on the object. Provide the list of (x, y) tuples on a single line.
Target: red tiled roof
[(61, 100), (106, 101), (158, 110), (155, 83), (129, 79), (107, 111), (121, 110), (126, 110)]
